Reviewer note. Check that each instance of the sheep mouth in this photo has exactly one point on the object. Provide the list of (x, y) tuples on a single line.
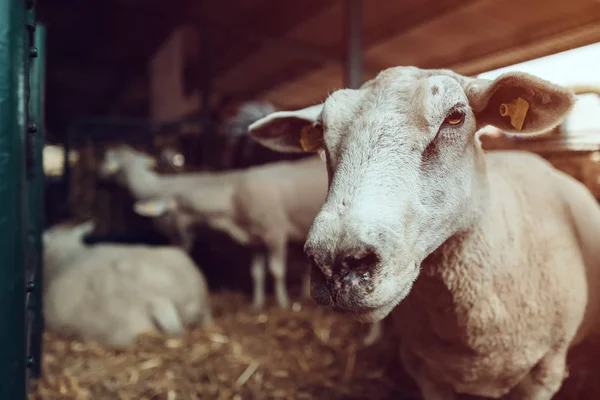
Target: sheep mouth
[(342, 302), (370, 314), (366, 314)]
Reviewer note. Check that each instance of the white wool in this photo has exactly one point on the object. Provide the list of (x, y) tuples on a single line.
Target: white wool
[(113, 293)]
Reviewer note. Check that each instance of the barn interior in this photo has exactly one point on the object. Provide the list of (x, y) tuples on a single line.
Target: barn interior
[(181, 81)]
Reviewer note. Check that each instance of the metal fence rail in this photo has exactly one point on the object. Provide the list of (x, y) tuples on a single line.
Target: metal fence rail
[(19, 245), (35, 199)]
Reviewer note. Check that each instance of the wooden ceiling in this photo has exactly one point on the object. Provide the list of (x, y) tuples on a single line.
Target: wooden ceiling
[(290, 55)]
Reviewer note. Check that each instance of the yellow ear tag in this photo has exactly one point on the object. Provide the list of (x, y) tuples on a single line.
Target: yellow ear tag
[(311, 138), (517, 111)]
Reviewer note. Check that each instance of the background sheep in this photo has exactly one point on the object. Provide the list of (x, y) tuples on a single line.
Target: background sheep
[(266, 207), (132, 170), (113, 293), (63, 244), (493, 259)]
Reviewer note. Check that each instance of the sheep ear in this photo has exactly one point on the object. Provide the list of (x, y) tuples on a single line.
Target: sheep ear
[(517, 102), (290, 131), (154, 207), (109, 165)]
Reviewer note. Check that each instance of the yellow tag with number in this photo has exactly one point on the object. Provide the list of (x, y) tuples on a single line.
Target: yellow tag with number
[(517, 111), (311, 138)]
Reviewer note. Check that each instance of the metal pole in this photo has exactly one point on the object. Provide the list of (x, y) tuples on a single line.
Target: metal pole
[(35, 198), (13, 118), (354, 56)]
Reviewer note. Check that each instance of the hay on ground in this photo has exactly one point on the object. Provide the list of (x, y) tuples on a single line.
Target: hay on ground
[(304, 353)]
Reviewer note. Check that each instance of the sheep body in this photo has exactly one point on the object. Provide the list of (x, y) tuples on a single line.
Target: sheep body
[(113, 293), (489, 263), (266, 207), (502, 304), (131, 169)]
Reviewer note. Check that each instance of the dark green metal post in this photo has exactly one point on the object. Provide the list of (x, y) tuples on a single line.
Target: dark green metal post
[(35, 196), (13, 119)]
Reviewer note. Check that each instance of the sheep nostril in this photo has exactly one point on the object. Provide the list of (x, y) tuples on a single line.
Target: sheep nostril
[(362, 261)]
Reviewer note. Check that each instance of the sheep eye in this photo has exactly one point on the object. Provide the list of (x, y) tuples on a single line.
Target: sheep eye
[(455, 118)]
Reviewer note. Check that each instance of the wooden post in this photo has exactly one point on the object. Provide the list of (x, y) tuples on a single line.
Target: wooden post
[(354, 56)]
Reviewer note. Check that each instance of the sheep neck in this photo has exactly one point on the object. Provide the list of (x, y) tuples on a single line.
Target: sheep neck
[(458, 275), (142, 182)]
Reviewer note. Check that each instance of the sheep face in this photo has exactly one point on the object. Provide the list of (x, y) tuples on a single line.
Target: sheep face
[(122, 157), (405, 172)]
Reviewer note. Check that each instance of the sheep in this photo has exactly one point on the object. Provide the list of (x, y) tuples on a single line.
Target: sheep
[(488, 263), (63, 245), (267, 207), (264, 206), (131, 169), (205, 194), (113, 293)]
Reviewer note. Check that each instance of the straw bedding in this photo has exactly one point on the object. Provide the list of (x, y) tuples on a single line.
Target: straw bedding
[(303, 353)]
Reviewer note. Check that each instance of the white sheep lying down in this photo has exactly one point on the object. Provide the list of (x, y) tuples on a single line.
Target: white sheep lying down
[(112, 293), (489, 263), (266, 206)]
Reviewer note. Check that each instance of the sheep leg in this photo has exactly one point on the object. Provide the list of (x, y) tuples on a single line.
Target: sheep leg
[(277, 258), (258, 280), (165, 314), (430, 388), (544, 380), (374, 334)]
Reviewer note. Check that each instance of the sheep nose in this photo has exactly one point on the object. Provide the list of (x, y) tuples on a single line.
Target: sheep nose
[(356, 259), (346, 278)]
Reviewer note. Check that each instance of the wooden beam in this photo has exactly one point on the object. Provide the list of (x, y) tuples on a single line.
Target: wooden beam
[(289, 18), (285, 46), (566, 32), (354, 55), (394, 25), (543, 40)]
